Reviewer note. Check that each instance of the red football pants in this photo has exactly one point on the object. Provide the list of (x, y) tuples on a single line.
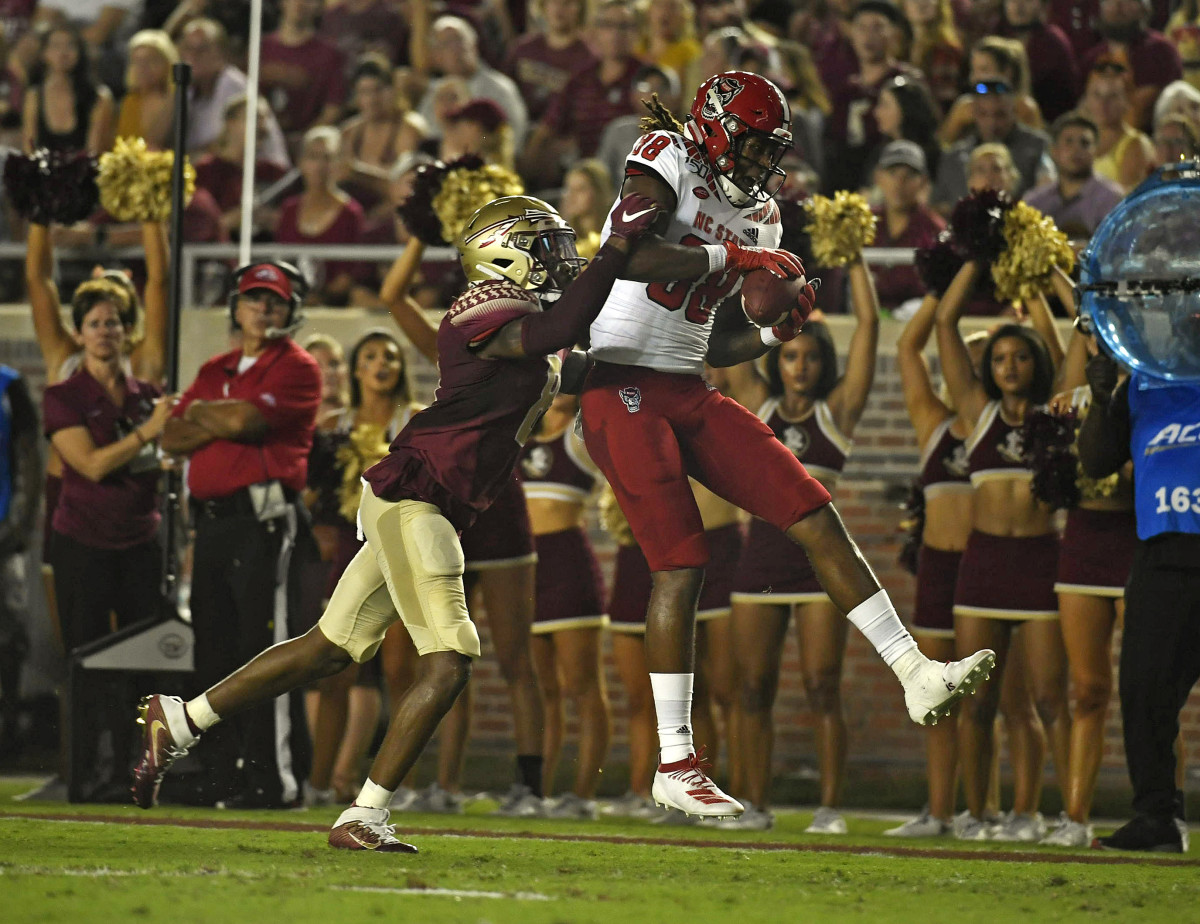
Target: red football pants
[(648, 431)]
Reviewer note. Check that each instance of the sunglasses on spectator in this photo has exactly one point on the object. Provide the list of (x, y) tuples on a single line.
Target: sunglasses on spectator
[(986, 87)]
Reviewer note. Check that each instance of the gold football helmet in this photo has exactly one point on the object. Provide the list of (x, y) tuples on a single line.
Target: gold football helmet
[(523, 240)]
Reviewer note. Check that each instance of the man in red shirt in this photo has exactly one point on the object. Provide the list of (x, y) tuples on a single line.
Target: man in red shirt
[(302, 75), (541, 61), (246, 423), (1149, 54)]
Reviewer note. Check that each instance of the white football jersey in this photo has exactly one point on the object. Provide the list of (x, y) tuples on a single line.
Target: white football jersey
[(665, 325)]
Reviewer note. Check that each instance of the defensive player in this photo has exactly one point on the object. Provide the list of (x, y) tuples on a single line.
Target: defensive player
[(499, 372), (649, 420)]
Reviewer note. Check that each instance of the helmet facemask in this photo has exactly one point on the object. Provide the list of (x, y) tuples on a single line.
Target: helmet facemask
[(755, 157), (556, 261)]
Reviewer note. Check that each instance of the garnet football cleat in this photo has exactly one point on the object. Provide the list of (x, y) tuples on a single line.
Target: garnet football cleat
[(685, 785), (360, 828), (933, 689), (165, 738)]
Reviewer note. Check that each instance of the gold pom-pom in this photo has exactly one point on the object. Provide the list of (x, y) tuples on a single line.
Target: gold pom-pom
[(613, 519), (135, 183), (464, 192), (368, 444), (1033, 248), (839, 227)]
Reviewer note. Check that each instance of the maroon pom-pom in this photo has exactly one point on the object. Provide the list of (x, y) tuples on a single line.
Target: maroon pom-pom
[(977, 224), (938, 265), (1048, 449), (913, 526), (417, 210), (52, 186)]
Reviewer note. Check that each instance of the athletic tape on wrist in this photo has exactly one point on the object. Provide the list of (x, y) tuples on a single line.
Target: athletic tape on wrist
[(768, 336), (717, 255)]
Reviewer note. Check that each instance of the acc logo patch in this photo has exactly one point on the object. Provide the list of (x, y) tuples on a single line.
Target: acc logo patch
[(631, 395), (699, 192)]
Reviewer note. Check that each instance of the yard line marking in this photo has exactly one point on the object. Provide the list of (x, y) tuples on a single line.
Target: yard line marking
[(448, 893), (1103, 858)]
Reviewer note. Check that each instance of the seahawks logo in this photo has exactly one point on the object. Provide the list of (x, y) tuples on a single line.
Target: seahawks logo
[(720, 95)]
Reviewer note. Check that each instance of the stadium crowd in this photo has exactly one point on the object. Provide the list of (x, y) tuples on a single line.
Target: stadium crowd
[(1067, 104)]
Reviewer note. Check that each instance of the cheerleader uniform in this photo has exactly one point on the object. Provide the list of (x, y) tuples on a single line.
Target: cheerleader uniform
[(1097, 545), (501, 537), (569, 587), (1004, 577), (943, 472), (772, 568)]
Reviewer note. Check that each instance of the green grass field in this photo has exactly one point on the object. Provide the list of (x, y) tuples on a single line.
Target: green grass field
[(110, 863)]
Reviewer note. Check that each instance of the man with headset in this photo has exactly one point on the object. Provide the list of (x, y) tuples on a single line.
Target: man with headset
[(246, 423)]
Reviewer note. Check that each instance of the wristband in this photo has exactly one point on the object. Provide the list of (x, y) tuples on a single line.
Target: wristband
[(767, 335), (717, 255)]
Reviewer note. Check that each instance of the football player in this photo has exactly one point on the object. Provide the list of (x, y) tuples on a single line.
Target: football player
[(650, 421), (498, 355)]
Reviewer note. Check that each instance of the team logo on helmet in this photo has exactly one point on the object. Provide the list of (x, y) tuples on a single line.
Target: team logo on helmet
[(720, 95), (497, 230), (632, 396)]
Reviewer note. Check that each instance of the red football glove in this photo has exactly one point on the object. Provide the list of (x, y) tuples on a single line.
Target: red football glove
[(789, 328), (634, 215), (780, 263)]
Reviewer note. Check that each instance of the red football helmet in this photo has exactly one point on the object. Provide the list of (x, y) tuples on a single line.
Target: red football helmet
[(743, 122)]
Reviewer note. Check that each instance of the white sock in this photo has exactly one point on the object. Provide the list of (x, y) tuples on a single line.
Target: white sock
[(372, 795), (673, 705), (876, 618), (201, 713)]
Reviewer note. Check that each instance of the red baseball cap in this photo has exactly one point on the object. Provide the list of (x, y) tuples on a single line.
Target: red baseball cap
[(266, 276)]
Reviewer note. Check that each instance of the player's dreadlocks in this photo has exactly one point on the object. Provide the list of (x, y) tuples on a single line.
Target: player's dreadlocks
[(660, 119)]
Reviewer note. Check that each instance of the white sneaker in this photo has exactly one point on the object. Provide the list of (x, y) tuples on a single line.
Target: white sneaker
[(931, 691), (434, 800), (674, 818), (360, 828), (313, 797), (403, 798), (924, 825), (1069, 834), (752, 819), (570, 805), (520, 802), (631, 805), (827, 821), (1024, 828), (684, 785), (1184, 839), (969, 828)]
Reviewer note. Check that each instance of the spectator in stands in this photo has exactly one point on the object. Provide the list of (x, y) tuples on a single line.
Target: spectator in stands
[(478, 127), (360, 27), (102, 23), (1124, 153), (937, 49), (303, 74), (620, 134), (669, 38), (1175, 139), (587, 197), (454, 53), (851, 133), (1077, 21), (905, 111), (61, 85), (904, 220), (323, 214), (1079, 199), (993, 59), (592, 98), (994, 114), (383, 130), (823, 27), (1178, 98), (798, 78), (220, 173), (149, 104), (1152, 60), (543, 59), (1055, 73), (215, 83)]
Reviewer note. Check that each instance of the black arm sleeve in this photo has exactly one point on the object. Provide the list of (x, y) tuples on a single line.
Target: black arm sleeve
[(567, 322), (575, 369), (1104, 435)]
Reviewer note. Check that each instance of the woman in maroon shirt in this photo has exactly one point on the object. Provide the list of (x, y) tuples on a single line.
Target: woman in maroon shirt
[(105, 423), (323, 214)]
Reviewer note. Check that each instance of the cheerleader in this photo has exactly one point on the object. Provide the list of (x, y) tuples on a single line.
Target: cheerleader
[(813, 412), (1007, 572), (558, 478)]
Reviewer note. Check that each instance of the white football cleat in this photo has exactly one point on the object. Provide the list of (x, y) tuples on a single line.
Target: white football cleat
[(685, 786), (931, 691)]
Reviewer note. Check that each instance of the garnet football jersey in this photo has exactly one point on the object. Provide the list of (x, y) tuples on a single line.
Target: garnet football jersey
[(460, 451), (666, 325)]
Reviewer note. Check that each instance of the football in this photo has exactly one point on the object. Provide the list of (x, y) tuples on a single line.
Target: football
[(767, 299)]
